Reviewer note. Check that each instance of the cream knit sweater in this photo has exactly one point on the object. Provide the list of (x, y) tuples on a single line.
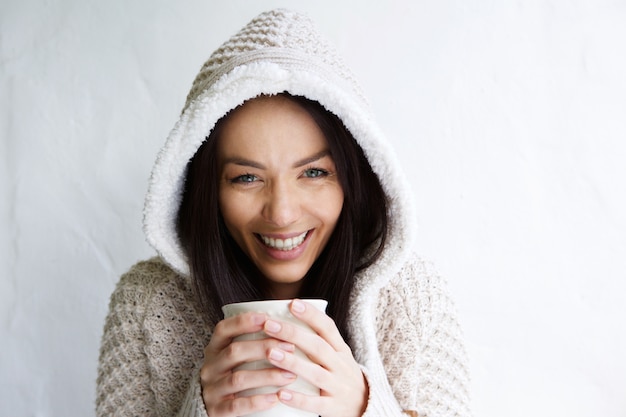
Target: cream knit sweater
[(155, 334)]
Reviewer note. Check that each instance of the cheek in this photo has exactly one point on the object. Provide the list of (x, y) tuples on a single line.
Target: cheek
[(232, 211), (334, 206)]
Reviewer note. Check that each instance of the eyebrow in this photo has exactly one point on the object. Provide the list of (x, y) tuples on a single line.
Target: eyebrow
[(297, 164), (312, 158)]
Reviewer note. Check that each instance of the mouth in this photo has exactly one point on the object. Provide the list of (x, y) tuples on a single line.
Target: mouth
[(283, 244)]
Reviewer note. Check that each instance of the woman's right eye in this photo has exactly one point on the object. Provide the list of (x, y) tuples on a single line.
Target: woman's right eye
[(244, 179)]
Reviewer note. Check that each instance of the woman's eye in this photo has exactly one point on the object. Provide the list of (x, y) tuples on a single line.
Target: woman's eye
[(245, 179), (315, 173)]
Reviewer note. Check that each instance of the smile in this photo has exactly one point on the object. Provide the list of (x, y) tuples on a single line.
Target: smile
[(284, 244)]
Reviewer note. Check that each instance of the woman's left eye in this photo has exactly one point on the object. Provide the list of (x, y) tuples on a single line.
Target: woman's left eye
[(315, 173)]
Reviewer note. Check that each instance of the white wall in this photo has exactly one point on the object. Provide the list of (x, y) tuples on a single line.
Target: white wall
[(509, 118)]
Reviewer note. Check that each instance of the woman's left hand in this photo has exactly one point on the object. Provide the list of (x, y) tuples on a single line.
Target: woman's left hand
[(344, 390)]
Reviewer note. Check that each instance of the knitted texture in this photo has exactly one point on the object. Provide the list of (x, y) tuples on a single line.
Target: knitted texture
[(155, 334), (428, 353), (276, 34)]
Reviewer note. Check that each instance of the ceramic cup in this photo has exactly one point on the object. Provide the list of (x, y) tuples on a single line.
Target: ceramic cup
[(279, 310)]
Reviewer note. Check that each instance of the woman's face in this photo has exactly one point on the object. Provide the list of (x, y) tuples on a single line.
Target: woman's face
[(278, 192)]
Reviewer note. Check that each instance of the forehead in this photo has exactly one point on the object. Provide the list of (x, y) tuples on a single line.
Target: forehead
[(270, 124)]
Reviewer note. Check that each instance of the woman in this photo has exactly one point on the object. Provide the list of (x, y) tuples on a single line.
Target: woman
[(276, 183)]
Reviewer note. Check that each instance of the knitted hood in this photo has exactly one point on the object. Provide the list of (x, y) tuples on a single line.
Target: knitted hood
[(276, 52)]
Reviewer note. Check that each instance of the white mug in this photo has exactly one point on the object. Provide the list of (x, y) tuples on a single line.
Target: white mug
[(277, 309)]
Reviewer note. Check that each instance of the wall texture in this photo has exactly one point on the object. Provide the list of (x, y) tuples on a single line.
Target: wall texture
[(509, 118)]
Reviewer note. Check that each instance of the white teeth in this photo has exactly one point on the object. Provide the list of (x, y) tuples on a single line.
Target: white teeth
[(284, 244)]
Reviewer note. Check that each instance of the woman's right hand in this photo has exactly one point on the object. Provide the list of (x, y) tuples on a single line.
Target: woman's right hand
[(221, 383)]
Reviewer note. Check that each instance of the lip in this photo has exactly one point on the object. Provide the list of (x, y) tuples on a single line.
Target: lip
[(285, 255)]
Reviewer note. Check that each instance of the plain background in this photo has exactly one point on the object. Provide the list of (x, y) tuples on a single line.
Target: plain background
[(509, 118)]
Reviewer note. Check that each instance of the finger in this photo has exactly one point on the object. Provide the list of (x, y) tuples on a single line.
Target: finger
[(237, 383), (320, 322), (240, 381), (235, 326), (313, 404), (238, 353), (310, 371), (319, 405), (244, 405), (311, 344), (241, 352)]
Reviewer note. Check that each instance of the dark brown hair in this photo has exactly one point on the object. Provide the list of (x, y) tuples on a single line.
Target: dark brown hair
[(223, 274)]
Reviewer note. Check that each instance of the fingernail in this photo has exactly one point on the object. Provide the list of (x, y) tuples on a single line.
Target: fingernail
[(270, 398), (272, 326), (277, 355), (289, 375), (258, 319), (285, 395), (298, 306)]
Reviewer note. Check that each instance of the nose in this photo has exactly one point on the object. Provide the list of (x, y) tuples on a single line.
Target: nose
[(282, 205)]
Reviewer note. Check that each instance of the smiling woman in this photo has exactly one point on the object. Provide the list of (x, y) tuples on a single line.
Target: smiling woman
[(277, 184), (279, 193), (281, 166)]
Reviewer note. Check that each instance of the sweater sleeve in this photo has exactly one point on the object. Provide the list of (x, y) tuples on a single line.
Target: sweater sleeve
[(442, 364), (151, 342), (421, 344), (193, 404), (123, 384)]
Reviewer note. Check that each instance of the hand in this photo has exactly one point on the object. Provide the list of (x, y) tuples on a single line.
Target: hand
[(333, 369), (221, 383)]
